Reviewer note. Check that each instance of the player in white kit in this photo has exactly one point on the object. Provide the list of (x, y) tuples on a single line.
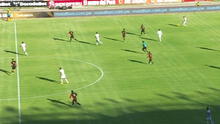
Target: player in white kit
[(24, 47), (160, 34), (63, 76), (97, 36), (184, 21)]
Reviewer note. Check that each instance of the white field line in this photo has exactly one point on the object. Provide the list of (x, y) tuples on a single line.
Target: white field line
[(18, 74), (77, 89), (100, 69)]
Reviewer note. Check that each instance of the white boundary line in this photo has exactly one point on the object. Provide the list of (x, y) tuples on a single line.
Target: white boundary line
[(96, 81), (18, 75), (100, 69)]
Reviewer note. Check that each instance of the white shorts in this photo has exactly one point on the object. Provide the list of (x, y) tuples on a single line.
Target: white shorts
[(63, 76), (24, 49), (97, 40)]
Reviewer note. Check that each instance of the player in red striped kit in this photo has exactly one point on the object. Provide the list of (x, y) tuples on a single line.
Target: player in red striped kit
[(150, 57), (123, 33), (71, 35), (13, 65), (73, 96)]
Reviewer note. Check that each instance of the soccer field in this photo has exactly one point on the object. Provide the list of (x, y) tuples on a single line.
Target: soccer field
[(115, 85)]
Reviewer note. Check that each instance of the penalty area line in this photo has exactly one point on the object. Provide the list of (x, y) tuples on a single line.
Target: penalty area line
[(18, 74)]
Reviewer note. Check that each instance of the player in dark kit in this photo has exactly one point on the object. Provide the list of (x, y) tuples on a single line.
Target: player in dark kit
[(70, 33), (13, 65), (150, 57), (73, 96), (209, 116), (123, 33), (142, 29)]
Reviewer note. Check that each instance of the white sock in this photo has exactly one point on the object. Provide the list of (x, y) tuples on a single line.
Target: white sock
[(61, 80), (66, 81)]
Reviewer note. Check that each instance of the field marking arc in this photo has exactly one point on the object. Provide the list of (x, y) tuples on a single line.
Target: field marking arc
[(77, 89)]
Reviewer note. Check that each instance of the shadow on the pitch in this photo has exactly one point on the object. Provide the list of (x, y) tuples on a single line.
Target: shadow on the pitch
[(13, 52), (130, 33), (214, 89), (113, 39), (84, 42), (111, 100), (36, 108), (185, 97), (100, 103), (60, 39), (212, 66), (201, 92), (181, 96), (136, 61), (126, 114), (47, 79), (205, 48), (165, 96), (11, 109), (145, 38), (5, 71), (132, 51), (129, 100), (59, 102), (174, 25)]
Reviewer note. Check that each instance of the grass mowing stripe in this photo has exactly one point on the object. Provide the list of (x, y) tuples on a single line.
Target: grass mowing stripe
[(214, 31), (18, 75), (177, 86), (67, 90)]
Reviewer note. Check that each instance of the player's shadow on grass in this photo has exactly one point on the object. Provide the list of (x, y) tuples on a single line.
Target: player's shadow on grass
[(84, 42), (136, 61), (13, 52), (201, 92), (212, 66), (5, 71), (111, 100), (132, 51), (59, 102), (60, 39), (145, 38), (205, 48), (47, 79), (129, 100), (130, 33), (11, 109), (165, 96), (214, 89), (113, 39), (185, 97), (174, 25)]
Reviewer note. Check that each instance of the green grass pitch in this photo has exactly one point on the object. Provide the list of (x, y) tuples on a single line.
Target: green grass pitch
[(114, 83)]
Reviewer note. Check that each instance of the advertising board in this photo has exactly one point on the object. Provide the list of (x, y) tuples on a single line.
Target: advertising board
[(23, 3)]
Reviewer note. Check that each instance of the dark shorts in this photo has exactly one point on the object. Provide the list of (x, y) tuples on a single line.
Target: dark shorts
[(74, 100), (209, 118), (13, 67)]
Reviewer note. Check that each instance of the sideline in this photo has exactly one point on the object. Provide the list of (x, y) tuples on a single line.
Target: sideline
[(18, 74)]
